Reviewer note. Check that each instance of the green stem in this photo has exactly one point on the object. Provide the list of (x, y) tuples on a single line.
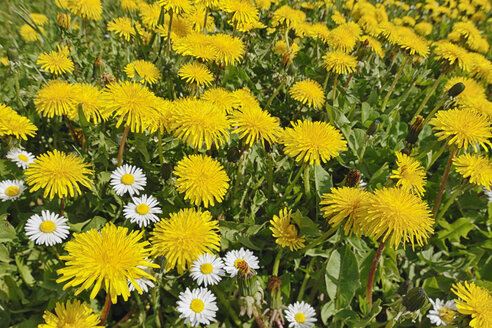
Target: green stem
[(276, 263), (239, 173), (436, 156), (434, 110), (325, 83), (227, 305), (451, 200), (293, 183), (397, 77), (443, 184), (307, 187), (363, 151), (320, 239), (306, 279), (334, 89), (428, 95), (287, 38), (159, 147), (269, 176), (168, 50), (205, 21), (275, 93)]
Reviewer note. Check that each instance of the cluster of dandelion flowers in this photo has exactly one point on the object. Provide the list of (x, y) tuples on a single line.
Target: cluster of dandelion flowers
[(397, 215), (202, 179), (87, 9), (197, 306), (56, 98), (285, 233), (410, 174), (477, 168), (21, 157), (462, 128), (199, 122), (196, 73), (123, 27), (143, 70), (133, 102), (221, 98), (184, 236), (339, 62), (344, 203), (176, 6), (452, 53), (474, 301), (71, 314), (228, 49), (105, 258), (308, 92), (58, 174), (90, 99), (312, 142), (47, 229), (412, 43), (56, 62), (14, 124), (243, 12), (252, 123)]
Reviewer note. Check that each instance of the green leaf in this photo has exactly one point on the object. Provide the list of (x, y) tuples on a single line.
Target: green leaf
[(327, 311), (342, 276), (96, 223), (24, 271), (4, 254), (7, 231), (365, 111), (456, 230), (322, 180)]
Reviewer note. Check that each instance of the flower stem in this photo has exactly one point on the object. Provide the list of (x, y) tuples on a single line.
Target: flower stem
[(276, 263), (297, 114), (275, 93), (62, 206), (292, 184), (219, 67), (105, 311), (159, 147), (334, 88), (205, 21), (258, 320), (227, 305), (307, 187), (434, 110), (397, 77), (168, 50), (306, 279), (321, 239), (372, 272), (443, 184), (122, 144), (428, 95), (450, 201)]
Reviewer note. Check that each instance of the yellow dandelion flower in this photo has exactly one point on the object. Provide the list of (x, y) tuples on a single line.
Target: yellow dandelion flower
[(481, 67), (29, 34), (71, 314), (56, 98), (143, 71), (474, 301), (228, 49), (338, 18), (196, 17), (452, 53), (56, 62), (132, 102), (244, 99), (344, 203), (287, 55), (410, 174), (129, 5), (252, 123), (123, 27), (58, 174), (195, 44), (196, 73), (202, 179), (108, 258), (411, 42), (286, 233), (4, 60), (221, 98), (16, 125), (473, 91), (344, 37), (373, 44), (312, 142), (243, 12), (164, 118), (308, 92), (184, 236), (339, 62), (246, 27), (207, 3), (176, 6), (197, 122), (397, 215), (288, 16), (462, 128), (369, 24), (87, 9), (468, 31), (91, 101), (39, 19), (149, 14), (424, 28), (62, 4), (477, 168)]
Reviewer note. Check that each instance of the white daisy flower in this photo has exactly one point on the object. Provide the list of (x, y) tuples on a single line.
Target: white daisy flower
[(300, 315), (208, 269), (21, 157), (11, 189), (128, 178), (48, 229), (232, 258), (142, 210), (143, 283), (488, 193), (442, 313), (197, 306)]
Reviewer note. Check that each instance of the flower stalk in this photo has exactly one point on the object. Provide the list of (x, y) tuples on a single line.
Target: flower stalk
[(105, 310), (445, 175), (122, 145), (397, 77), (372, 272)]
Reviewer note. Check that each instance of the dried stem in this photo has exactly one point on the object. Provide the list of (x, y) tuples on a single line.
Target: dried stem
[(105, 311), (122, 144), (258, 320), (372, 272)]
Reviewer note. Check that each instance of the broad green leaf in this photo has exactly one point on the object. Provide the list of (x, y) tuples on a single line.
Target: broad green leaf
[(24, 271), (7, 231), (327, 311), (454, 231), (322, 180), (4, 254)]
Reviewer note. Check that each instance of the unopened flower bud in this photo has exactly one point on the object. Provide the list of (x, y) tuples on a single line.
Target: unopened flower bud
[(64, 20), (233, 154), (274, 283), (353, 178), (373, 128), (107, 78), (456, 89), (98, 62), (414, 130), (415, 299), (405, 287), (12, 54), (245, 271)]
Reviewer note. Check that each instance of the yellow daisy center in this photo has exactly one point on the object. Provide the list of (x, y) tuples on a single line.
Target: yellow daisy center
[(206, 268), (127, 179), (300, 317), (23, 157), (197, 305), (142, 209), (237, 262), (47, 226), (446, 315), (12, 191)]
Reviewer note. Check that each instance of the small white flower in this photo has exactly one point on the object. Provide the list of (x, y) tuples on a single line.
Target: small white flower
[(11, 189), (128, 178), (21, 157), (300, 315), (442, 313), (144, 283), (142, 210), (197, 306), (207, 269), (232, 258), (48, 229)]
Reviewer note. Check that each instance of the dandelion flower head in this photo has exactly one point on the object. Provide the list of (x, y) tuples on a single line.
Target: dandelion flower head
[(56, 62), (410, 174), (71, 314), (196, 73), (339, 62), (56, 97), (143, 71), (477, 168), (252, 124), (474, 301), (308, 92), (87, 9), (285, 233)]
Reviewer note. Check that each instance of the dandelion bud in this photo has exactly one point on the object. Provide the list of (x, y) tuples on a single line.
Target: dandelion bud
[(287, 58), (233, 154), (414, 130), (166, 170), (353, 178), (405, 287), (64, 20), (107, 78), (12, 54), (373, 128), (415, 299), (456, 89), (98, 62), (274, 283)]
